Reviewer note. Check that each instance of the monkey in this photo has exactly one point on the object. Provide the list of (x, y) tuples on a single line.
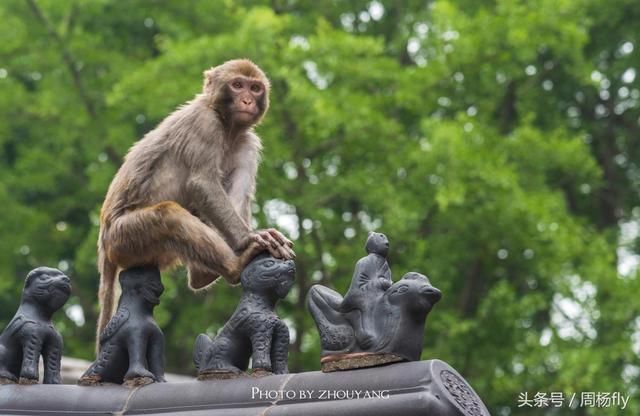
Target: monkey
[(183, 193)]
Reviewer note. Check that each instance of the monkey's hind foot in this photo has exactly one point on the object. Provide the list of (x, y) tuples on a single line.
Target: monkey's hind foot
[(138, 381), (244, 258)]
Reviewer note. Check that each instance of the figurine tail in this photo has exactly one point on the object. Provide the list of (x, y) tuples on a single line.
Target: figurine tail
[(106, 293), (203, 342)]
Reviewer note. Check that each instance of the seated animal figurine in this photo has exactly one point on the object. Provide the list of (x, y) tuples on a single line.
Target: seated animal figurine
[(31, 333), (254, 330), (397, 331), (131, 345)]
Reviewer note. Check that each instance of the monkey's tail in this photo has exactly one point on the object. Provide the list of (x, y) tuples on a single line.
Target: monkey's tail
[(106, 293)]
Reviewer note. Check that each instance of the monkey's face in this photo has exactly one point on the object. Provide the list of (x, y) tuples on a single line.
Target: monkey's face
[(269, 275), (50, 288), (240, 92), (377, 243), (246, 99)]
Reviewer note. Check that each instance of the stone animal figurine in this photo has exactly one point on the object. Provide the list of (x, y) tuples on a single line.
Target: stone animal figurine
[(400, 315), (371, 278), (131, 345), (254, 330), (31, 333)]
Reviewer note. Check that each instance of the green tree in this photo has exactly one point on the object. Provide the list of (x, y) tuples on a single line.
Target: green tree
[(496, 143)]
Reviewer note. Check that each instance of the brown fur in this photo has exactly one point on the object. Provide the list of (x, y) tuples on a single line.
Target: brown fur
[(184, 192)]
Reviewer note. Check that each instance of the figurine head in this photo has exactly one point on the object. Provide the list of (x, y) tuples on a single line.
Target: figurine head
[(377, 243), (414, 293), (142, 281), (48, 287), (268, 275)]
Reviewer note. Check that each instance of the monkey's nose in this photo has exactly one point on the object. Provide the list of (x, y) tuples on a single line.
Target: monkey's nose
[(246, 101)]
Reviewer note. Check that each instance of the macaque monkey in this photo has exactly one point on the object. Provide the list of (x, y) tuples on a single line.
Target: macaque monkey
[(183, 194)]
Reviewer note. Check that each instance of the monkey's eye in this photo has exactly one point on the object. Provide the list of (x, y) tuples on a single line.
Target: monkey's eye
[(256, 88), (237, 85)]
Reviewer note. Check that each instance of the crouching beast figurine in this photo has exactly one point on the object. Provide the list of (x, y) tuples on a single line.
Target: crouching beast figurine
[(400, 313), (132, 344), (254, 330), (31, 333)]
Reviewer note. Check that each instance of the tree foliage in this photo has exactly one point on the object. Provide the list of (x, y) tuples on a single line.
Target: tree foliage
[(496, 143)]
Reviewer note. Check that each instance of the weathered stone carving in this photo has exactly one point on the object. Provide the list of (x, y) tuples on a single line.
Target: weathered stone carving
[(254, 330), (462, 394), (371, 278), (377, 322), (132, 344), (419, 388), (31, 333)]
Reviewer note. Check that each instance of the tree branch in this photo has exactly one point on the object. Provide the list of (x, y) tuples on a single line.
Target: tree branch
[(467, 301), (68, 58)]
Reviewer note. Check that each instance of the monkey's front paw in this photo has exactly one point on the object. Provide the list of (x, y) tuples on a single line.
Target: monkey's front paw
[(253, 238), (273, 234), (278, 245)]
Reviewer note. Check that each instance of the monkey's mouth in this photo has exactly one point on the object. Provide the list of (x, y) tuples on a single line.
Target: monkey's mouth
[(245, 114)]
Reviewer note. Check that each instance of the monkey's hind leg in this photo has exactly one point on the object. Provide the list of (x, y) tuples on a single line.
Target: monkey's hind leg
[(166, 231), (200, 278)]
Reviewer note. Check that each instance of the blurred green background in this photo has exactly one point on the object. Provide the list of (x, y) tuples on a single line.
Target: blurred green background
[(496, 143)]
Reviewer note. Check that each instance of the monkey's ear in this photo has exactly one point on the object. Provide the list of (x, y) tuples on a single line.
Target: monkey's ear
[(210, 76)]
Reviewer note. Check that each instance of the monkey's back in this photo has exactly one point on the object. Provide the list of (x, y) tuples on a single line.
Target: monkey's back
[(157, 167)]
